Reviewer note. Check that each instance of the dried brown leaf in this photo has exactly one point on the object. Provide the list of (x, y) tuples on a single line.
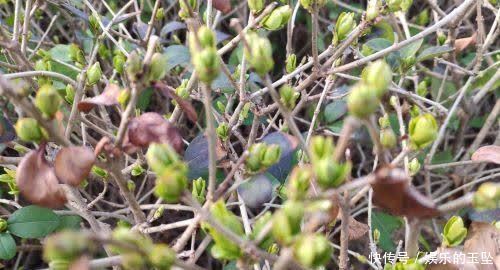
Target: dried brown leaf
[(73, 164), (490, 153), (108, 97), (462, 43), (185, 105), (152, 127), (222, 5), (392, 192), (483, 238), (356, 229), (38, 182)]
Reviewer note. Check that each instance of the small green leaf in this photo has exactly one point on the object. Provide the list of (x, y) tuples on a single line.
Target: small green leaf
[(33, 222), (177, 55), (433, 52), (7, 246), (335, 110), (60, 52), (410, 49), (386, 224), (378, 44), (69, 222)]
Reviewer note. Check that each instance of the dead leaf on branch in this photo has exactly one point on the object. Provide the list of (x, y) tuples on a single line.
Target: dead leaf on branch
[(392, 191), (462, 43), (483, 238), (490, 153), (73, 164), (356, 229), (222, 5), (108, 97)]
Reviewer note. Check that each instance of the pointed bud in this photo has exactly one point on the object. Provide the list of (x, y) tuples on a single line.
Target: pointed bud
[(454, 232), (207, 64), (329, 173), (321, 147), (206, 37), (388, 138), (66, 245), (258, 227), (159, 212), (376, 236), (171, 183), (157, 67), (312, 250), (223, 131), (287, 221), (162, 257), (384, 121), (160, 157), (119, 62), (76, 54), (345, 24), (423, 130), (309, 4), (103, 51), (94, 23), (3, 225), (422, 89), (405, 5), (182, 90), (277, 19), (260, 55), (271, 155), (394, 5), (373, 9), (47, 100), (362, 101), (423, 17), (288, 96), (131, 185), (291, 63), (199, 190), (378, 76), (255, 157), (70, 94), (441, 38), (123, 98), (184, 9), (487, 196), (256, 5), (160, 14), (28, 129), (137, 170), (298, 183), (133, 66), (414, 166), (94, 74)]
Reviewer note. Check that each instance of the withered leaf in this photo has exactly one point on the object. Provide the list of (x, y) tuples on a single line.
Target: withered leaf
[(462, 43), (490, 153), (152, 127), (483, 238), (185, 105), (222, 5), (392, 191), (108, 97), (73, 164), (356, 229), (38, 182)]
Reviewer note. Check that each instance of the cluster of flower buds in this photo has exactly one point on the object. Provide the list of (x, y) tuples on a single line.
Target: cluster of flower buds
[(373, 9), (199, 189), (312, 250), (119, 61), (157, 67), (185, 6), (423, 130), (277, 18), (171, 171), (259, 54), (344, 26), (202, 45), (43, 64), (329, 173), (487, 196), (387, 136), (47, 100), (224, 248), (76, 55), (28, 129), (287, 221), (414, 166), (134, 66), (223, 131), (94, 74), (454, 232), (298, 183), (291, 63), (311, 4), (365, 96), (399, 5), (261, 156), (62, 248), (288, 96)]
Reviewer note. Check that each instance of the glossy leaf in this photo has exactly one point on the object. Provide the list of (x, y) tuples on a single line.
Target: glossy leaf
[(432, 52), (7, 246), (33, 222), (196, 156), (411, 49), (256, 191)]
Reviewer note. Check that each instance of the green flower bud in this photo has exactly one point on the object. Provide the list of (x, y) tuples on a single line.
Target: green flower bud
[(103, 51), (373, 9), (3, 225), (288, 96), (76, 54), (94, 23), (423, 17), (160, 14), (255, 156), (256, 5), (454, 232), (94, 74), (378, 76), (66, 245), (137, 170), (441, 38), (123, 97), (345, 24), (277, 19), (407, 63), (133, 66), (207, 64), (298, 183), (70, 93), (423, 130), (162, 257), (182, 90), (160, 157), (414, 111), (119, 62), (271, 155), (28, 129), (157, 67), (43, 65), (220, 106), (245, 111), (487, 196), (384, 121), (376, 236), (223, 131), (405, 5), (273, 249), (129, 238), (388, 138), (422, 89), (224, 248), (394, 5), (199, 190), (99, 172), (312, 250), (286, 221), (130, 185), (329, 173), (258, 226), (291, 63), (47, 100), (206, 37), (260, 55), (321, 147), (171, 183), (184, 9), (309, 4), (414, 166), (362, 102)]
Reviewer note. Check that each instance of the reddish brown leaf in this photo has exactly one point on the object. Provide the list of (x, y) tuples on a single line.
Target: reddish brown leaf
[(490, 153), (356, 229), (37, 180), (73, 164), (105, 144), (222, 5), (462, 43), (185, 105), (108, 97), (483, 238), (152, 127), (392, 191)]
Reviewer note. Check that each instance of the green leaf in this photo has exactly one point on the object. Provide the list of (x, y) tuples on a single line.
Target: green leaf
[(69, 222), (33, 222), (177, 55), (378, 44), (433, 52), (60, 52), (386, 224), (144, 99), (335, 110), (7, 246), (411, 49)]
